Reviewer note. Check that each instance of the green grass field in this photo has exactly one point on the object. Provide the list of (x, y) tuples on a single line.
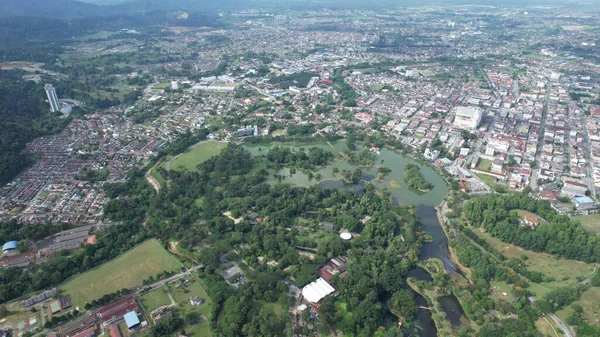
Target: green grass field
[(155, 299), (197, 155), (489, 180), (590, 222), (484, 164), (564, 271), (126, 271), (182, 297)]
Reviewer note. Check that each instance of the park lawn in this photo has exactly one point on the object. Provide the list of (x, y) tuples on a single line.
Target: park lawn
[(564, 271), (196, 155), (126, 271), (155, 299), (489, 180), (484, 164), (182, 297), (589, 301), (590, 222)]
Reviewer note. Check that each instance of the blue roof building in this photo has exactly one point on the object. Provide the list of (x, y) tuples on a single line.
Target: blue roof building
[(584, 202), (11, 245), (131, 319)]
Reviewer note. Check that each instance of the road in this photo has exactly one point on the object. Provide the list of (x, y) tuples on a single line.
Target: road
[(538, 153), (154, 286), (561, 325), (586, 150)]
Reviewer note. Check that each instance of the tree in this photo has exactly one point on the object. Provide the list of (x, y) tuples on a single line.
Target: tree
[(403, 304)]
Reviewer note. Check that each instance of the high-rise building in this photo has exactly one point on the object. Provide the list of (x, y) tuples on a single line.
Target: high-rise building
[(52, 97)]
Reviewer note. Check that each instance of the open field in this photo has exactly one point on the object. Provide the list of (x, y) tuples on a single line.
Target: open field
[(155, 299), (489, 180), (484, 164), (126, 271), (197, 155), (182, 297), (590, 222), (564, 271)]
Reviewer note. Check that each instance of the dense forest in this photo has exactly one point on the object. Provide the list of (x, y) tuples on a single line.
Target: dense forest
[(25, 116), (314, 157), (560, 235)]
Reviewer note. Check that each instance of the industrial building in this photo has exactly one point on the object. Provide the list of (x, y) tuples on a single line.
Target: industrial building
[(132, 320), (468, 118)]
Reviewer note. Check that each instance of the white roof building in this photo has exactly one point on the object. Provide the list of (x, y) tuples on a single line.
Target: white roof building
[(317, 290), (468, 118)]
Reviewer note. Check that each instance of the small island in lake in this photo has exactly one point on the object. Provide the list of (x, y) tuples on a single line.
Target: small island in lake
[(414, 178)]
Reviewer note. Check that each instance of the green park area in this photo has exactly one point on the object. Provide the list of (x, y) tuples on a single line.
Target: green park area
[(197, 154), (126, 271), (590, 222)]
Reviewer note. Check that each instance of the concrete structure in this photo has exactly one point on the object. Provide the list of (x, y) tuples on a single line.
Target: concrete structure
[(467, 118), (431, 154), (174, 85), (52, 97)]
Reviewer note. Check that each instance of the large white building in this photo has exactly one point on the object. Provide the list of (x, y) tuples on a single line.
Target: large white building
[(467, 117), (52, 97)]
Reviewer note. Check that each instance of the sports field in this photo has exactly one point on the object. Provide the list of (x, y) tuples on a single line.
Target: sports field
[(197, 155), (126, 271)]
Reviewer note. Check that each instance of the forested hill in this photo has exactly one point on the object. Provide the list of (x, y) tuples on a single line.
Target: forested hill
[(24, 115)]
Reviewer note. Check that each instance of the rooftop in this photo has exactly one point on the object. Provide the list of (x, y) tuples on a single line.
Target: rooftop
[(131, 319), (317, 290)]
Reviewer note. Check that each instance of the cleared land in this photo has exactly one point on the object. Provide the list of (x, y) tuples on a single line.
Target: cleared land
[(590, 222), (126, 271), (197, 155)]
